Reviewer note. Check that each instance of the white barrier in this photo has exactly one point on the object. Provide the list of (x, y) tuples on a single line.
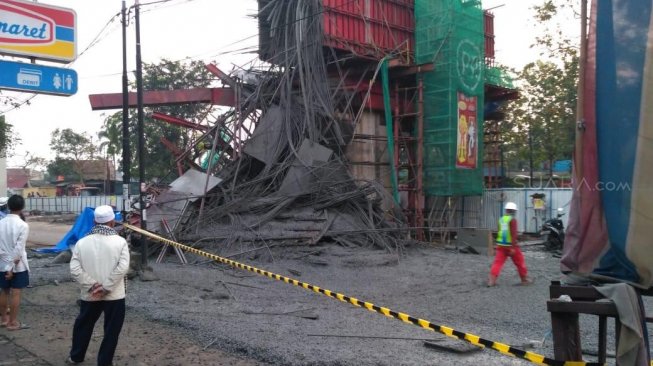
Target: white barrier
[(70, 204), (485, 211), (480, 212)]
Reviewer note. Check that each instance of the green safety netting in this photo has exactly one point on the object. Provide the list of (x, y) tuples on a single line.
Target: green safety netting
[(499, 77), (450, 34)]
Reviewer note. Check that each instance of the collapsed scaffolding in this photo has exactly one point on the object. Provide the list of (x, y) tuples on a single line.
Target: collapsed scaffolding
[(344, 134), (287, 180)]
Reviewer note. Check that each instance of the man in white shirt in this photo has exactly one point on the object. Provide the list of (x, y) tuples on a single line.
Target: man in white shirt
[(99, 264), (3, 207), (13, 262)]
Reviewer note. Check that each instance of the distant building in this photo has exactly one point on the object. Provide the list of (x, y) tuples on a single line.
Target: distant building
[(28, 183), (17, 178), (99, 174)]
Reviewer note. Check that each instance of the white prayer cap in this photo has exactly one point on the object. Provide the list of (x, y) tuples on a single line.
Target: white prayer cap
[(104, 214)]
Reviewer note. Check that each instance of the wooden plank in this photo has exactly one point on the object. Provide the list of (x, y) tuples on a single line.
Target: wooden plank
[(582, 307), (603, 338), (566, 337), (582, 293)]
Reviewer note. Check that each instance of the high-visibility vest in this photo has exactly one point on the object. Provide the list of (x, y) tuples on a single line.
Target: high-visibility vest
[(504, 237)]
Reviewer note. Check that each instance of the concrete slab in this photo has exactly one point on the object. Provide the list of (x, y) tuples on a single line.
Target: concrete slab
[(266, 136), (193, 182), (476, 238)]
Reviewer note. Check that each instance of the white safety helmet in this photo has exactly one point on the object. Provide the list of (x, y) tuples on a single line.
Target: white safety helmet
[(511, 206), (561, 210), (4, 200)]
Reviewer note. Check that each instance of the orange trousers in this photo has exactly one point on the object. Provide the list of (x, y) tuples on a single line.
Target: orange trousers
[(502, 253)]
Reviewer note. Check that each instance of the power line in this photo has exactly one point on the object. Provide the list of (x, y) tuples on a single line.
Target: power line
[(98, 38), (241, 50), (160, 7)]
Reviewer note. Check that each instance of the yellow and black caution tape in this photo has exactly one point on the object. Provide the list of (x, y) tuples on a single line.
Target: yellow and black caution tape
[(467, 337)]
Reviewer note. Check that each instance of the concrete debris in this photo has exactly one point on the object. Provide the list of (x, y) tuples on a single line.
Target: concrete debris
[(147, 276), (63, 257), (215, 296), (468, 250), (294, 272), (192, 183), (263, 143)]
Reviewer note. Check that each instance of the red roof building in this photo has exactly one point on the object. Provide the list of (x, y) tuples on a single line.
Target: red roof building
[(17, 178)]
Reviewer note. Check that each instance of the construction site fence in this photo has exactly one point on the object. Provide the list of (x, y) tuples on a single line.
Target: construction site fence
[(469, 212), (483, 212), (70, 204)]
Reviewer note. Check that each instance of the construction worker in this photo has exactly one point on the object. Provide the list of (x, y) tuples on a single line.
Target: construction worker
[(507, 246)]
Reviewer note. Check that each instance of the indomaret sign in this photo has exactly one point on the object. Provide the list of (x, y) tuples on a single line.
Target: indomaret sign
[(31, 29)]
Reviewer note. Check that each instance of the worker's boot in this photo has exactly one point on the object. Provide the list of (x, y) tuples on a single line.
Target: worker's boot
[(525, 281), (492, 281)]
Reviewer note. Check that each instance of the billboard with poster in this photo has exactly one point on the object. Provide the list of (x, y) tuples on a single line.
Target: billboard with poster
[(467, 141)]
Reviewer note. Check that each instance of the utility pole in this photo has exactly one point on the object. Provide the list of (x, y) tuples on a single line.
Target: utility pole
[(141, 133), (126, 153), (578, 172), (503, 169), (530, 154)]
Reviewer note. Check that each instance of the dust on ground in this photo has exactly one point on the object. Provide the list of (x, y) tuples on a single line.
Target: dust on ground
[(208, 314)]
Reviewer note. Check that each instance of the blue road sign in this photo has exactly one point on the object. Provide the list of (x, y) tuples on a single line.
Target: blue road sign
[(37, 78)]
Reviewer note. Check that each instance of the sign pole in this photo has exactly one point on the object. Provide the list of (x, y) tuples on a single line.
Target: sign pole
[(141, 132), (126, 158)]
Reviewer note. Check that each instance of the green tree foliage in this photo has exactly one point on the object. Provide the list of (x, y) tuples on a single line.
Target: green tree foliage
[(548, 89), (551, 15), (546, 110), (61, 167), (75, 148), (8, 138), (111, 136), (166, 75)]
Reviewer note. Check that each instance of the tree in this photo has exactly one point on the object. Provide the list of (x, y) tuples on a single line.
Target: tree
[(166, 75), (74, 147), (30, 163), (111, 136), (61, 167), (550, 15), (8, 138), (546, 112)]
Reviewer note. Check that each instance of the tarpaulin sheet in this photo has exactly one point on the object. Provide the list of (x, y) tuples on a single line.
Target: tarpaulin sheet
[(82, 226), (610, 229)]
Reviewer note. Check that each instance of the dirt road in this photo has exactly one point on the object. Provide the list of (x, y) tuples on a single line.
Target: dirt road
[(207, 314), (50, 311)]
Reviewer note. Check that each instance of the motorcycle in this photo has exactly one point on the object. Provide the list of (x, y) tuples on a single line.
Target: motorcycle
[(554, 230)]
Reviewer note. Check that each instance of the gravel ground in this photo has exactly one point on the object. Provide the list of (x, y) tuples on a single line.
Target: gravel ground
[(221, 308)]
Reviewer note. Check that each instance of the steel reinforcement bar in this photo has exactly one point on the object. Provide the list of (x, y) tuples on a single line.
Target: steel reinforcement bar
[(450, 332)]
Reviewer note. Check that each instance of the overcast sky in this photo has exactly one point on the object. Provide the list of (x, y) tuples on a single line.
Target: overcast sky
[(200, 29)]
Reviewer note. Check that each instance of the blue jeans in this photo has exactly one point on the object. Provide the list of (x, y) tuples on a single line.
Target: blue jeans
[(89, 313)]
